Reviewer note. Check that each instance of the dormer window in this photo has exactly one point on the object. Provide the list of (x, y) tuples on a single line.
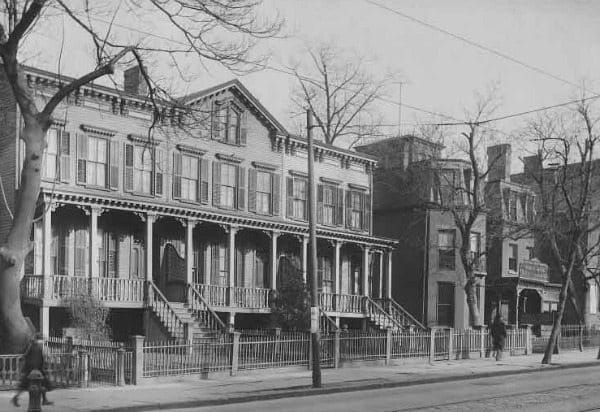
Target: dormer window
[(227, 123)]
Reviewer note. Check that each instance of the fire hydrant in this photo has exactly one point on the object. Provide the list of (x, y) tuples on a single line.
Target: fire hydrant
[(35, 378)]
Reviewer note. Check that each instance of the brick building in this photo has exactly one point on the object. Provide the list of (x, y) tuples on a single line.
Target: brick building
[(518, 283), (173, 230), (428, 277)]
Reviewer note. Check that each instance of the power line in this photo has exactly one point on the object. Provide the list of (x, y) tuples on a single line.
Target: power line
[(475, 44)]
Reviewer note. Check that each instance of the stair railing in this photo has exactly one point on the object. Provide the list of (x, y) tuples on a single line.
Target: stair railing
[(165, 312), (329, 323), (376, 312), (398, 312), (202, 310)]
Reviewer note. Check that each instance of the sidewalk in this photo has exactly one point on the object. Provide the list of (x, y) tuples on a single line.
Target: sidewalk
[(272, 384)]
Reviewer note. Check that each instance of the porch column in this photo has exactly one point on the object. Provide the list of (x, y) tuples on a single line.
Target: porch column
[(336, 267), (189, 250), (47, 239), (365, 265), (150, 217), (231, 281), (45, 321), (304, 256), (388, 289), (274, 235), (381, 272), (94, 269)]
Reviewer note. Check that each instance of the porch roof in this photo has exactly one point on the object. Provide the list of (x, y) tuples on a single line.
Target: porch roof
[(242, 219)]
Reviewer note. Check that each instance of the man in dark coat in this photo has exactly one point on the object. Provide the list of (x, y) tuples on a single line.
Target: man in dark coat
[(498, 331), (33, 359)]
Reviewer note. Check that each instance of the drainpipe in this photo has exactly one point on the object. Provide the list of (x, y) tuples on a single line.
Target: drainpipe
[(425, 276)]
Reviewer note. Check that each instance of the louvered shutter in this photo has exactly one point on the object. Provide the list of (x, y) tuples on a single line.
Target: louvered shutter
[(319, 204), (348, 209), (214, 264), (339, 207), (216, 121), (275, 191), (204, 179), (252, 176), (177, 169), (65, 156), (243, 129), (82, 149), (241, 188), (366, 220), (216, 191), (506, 196), (159, 172), (290, 197), (113, 174), (128, 183)]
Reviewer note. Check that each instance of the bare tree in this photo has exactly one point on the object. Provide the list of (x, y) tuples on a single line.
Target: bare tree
[(223, 31), (568, 197), (341, 94)]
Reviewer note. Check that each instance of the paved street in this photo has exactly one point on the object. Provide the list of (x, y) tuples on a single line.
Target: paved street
[(565, 390)]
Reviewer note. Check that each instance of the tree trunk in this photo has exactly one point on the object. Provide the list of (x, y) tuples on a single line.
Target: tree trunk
[(557, 322), (471, 291), (14, 328)]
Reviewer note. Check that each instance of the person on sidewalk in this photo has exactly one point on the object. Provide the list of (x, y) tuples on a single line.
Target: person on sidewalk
[(498, 332), (34, 359)]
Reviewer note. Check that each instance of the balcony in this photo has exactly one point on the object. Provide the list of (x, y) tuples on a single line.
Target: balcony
[(534, 270), (234, 297), (337, 302), (112, 291)]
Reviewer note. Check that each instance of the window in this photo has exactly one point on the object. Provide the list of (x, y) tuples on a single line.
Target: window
[(263, 192), (324, 269), (512, 257), (445, 304), (189, 178), (93, 162), (97, 160), (512, 207), (475, 247), (142, 170), (356, 210), (530, 252), (328, 205), (51, 155), (219, 265), (446, 250), (447, 186), (227, 123), (297, 197), (57, 156), (228, 185)]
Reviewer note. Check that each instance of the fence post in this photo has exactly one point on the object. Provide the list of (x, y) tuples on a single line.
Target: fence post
[(528, 340), (235, 353), (120, 366), (336, 349), (138, 359), (188, 338), (482, 341), (450, 343), (310, 349), (431, 345), (388, 346), (83, 369)]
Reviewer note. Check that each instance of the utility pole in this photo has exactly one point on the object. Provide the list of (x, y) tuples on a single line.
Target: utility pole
[(400, 109), (312, 226)]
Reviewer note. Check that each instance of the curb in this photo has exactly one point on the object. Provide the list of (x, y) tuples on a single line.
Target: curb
[(308, 391)]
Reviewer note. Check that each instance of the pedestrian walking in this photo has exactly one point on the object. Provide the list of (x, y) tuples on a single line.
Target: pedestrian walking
[(498, 331), (33, 359)]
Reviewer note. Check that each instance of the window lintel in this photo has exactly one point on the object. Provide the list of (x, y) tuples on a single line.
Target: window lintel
[(229, 158), (191, 150), (97, 130)]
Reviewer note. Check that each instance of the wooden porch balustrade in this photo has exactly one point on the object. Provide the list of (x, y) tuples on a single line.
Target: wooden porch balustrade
[(224, 296), (337, 302)]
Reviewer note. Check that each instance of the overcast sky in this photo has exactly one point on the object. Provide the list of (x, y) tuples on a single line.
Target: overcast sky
[(440, 72)]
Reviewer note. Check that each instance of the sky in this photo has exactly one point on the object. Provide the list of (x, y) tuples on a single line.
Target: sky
[(439, 72)]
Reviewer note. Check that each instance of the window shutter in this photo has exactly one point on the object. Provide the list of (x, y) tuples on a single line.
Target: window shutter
[(252, 175), (113, 167), (339, 207), (506, 196), (319, 204), (128, 184), (82, 148), (159, 172), (290, 197), (366, 220), (177, 166), (214, 263), (203, 179), (216, 123), (243, 129), (216, 192), (241, 188), (275, 192), (348, 209), (64, 168)]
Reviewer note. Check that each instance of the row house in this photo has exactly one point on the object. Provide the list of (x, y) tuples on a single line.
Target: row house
[(410, 186), (519, 285), (191, 224)]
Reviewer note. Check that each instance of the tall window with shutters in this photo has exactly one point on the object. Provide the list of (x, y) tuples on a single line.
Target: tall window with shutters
[(57, 156), (358, 210), (228, 185), (229, 182), (329, 205), (297, 193), (263, 192), (97, 162), (190, 178), (446, 249), (144, 169), (228, 123)]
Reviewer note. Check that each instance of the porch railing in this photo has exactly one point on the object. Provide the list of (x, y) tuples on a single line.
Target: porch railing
[(165, 312), (399, 313), (255, 298), (215, 295), (120, 290), (202, 311), (337, 302)]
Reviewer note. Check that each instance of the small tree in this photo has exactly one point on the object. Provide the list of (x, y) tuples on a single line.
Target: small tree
[(88, 317), (290, 308)]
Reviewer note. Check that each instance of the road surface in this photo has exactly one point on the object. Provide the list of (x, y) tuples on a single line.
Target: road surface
[(557, 390)]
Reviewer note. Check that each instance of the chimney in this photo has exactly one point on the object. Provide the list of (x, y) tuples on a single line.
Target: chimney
[(499, 162), (134, 82), (532, 165)]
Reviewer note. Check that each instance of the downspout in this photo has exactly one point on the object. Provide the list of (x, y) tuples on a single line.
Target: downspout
[(425, 276)]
